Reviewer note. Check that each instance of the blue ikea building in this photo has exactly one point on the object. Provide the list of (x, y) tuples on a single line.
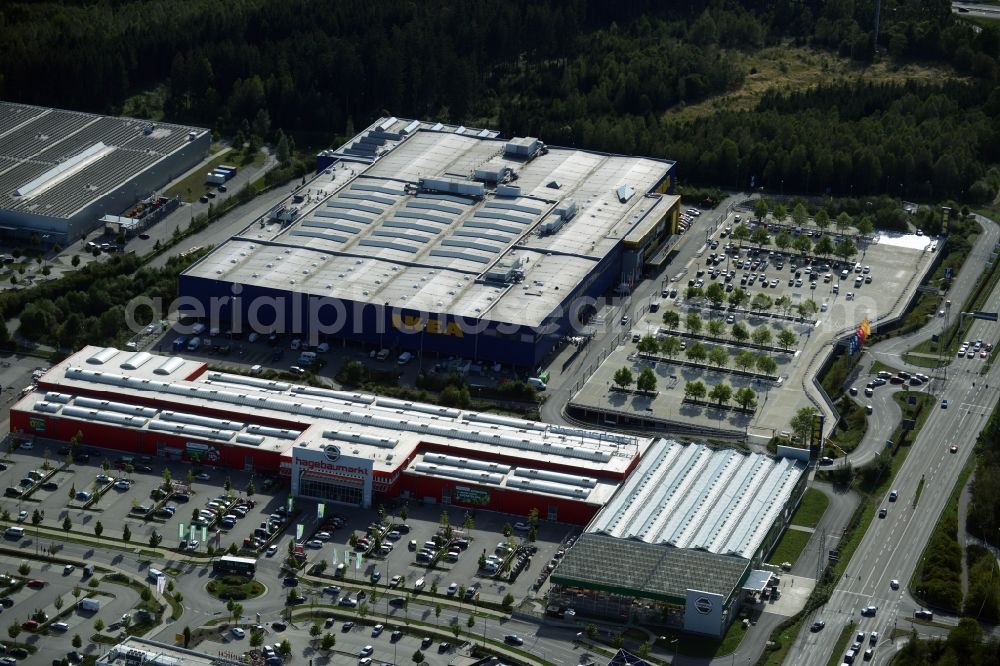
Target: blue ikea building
[(444, 241)]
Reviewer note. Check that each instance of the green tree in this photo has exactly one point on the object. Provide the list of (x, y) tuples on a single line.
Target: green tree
[(77, 641), (14, 630), (745, 397), (470, 622), (328, 642), (697, 352), (250, 488), (670, 346), (418, 657), (800, 215), (783, 240), (780, 212), (822, 218), (715, 293), (824, 246), (761, 335), (98, 530), (741, 233), (617, 641), (693, 323), (284, 648), (671, 319), (155, 539), (843, 222), (721, 393), (740, 332), (67, 524), (766, 365), (591, 628), (718, 357), (744, 360), (802, 423), (623, 377), (866, 226), (695, 390), (716, 327), (98, 625), (808, 308), (126, 534), (761, 302), (646, 381), (256, 638), (760, 236), (760, 209), (282, 151), (802, 244), (738, 297), (784, 304), (508, 600), (693, 293), (846, 248), (786, 338), (648, 345)]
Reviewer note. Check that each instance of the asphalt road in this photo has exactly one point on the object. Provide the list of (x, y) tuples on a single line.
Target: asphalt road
[(891, 547)]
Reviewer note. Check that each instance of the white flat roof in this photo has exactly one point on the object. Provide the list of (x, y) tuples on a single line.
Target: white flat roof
[(693, 496), (384, 430), (363, 233)]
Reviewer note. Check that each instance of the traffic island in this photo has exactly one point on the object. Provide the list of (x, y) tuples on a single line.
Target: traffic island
[(235, 588)]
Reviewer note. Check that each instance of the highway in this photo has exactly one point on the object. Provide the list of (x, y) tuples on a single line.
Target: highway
[(891, 547)]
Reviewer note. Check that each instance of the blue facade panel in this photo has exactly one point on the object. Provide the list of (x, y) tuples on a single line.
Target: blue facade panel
[(249, 307)]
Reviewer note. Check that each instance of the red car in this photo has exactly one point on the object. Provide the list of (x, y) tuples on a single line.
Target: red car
[(36, 583), (30, 625)]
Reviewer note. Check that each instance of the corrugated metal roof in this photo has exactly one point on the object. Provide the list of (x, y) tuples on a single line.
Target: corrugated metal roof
[(692, 496)]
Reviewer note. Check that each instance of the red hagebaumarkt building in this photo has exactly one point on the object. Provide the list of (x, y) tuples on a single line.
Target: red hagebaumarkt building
[(333, 446)]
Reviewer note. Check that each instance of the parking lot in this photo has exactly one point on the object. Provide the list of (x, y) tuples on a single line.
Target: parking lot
[(114, 601), (424, 522), (117, 508), (352, 639), (119, 504), (761, 290)]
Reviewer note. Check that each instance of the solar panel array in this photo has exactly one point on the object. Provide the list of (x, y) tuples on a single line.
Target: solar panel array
[(33, 141)]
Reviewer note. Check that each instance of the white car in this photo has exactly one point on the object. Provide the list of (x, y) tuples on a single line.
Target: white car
[(377, 629), (323, 536), (122, 484), (367, 650), (203, 476), (238, 633), (315, 543), (522, 526), (894, 584), (271, 550), (418, 584), (256, 369), (23, 516), (452, 589), (103, 478), (59, 626)]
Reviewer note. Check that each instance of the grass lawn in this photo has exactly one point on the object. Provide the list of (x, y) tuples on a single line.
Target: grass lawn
[(191, 188), (811, 508), (852, 426), (792, 543), (791, 67)]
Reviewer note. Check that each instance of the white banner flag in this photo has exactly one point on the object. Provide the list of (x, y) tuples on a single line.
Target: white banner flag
[(161, 583)]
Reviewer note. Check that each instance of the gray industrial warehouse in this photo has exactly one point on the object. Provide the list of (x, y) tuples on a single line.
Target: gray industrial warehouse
[(61, 171), (678, 544), (430, 238)]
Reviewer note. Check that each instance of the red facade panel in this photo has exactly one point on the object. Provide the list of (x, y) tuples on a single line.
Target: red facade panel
[(138, 442), (490, 498)]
